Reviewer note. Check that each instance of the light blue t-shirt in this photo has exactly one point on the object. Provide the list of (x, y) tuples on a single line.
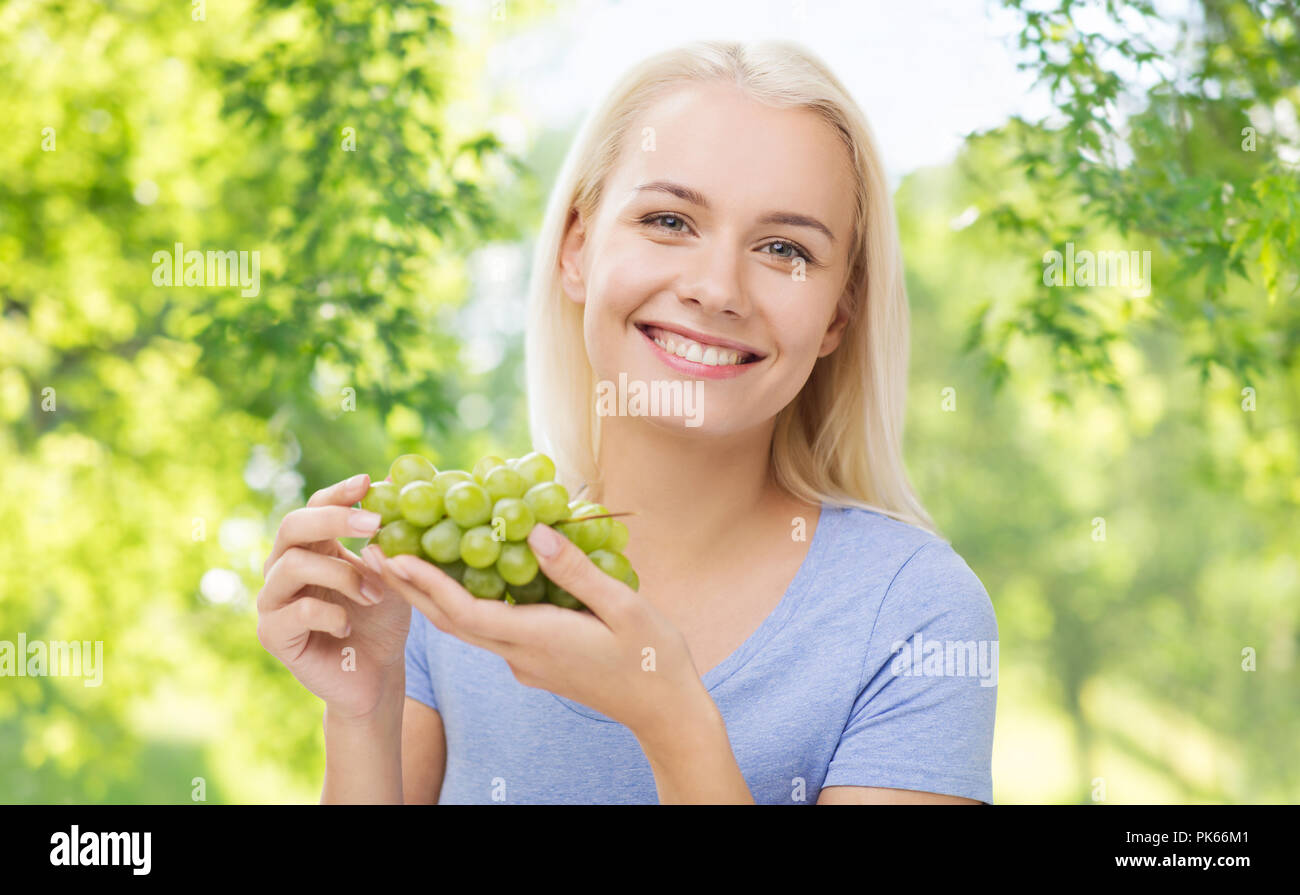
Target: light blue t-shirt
[(877, 668)]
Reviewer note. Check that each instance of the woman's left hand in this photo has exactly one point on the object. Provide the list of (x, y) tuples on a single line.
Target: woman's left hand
[(625, 659)]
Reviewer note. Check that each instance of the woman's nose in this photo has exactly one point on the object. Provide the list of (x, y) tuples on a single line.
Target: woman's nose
[(716, 287)]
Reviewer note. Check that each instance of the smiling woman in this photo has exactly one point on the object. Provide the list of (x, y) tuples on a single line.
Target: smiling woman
[(723, 220)]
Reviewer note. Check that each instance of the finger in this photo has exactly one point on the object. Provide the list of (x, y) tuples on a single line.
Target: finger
[(288, 626), (565, 564), (358, 563), (298, 567), (441, 598), (515, 626), (344, 493), (309, 525)]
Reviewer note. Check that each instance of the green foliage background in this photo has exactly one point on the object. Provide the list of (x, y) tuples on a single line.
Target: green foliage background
[(153, 435)]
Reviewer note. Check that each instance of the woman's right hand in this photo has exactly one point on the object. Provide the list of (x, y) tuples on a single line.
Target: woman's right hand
[(312, 605)]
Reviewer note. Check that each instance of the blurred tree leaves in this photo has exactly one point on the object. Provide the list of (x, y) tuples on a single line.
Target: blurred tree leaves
[(183, 422), (1134, 457), (155, 435), (1191, 153)]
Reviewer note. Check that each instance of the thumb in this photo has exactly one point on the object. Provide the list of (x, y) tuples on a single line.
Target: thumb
[(565, 564)]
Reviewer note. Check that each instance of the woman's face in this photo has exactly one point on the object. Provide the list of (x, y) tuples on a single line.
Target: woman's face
[(719, 253)]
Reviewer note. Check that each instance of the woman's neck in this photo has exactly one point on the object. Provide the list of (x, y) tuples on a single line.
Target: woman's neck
[(691, 495)]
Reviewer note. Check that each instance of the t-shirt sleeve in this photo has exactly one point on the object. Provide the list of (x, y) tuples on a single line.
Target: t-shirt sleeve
[(419, 685), (923, 717)]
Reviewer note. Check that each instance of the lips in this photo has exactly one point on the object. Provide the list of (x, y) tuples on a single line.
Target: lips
[(699, 347), (719, 368)]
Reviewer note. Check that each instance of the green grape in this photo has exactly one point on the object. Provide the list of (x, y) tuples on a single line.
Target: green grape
[(536, 468), (382, 499), (420, 503), (455, 569), (516, 519), (618, 536), (532, 592), (516, 564), (569, 530), (399, 536), (474, 525), (448, 477), (442, 542), (561, 597), (549, 502), (486, 465), (478, 548), (468, 504), (504, 482), (613, 564), (411, 468), (591, 534), (485, 584)]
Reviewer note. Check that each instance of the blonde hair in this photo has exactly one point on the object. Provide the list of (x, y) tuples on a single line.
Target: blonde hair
[(840, 440)]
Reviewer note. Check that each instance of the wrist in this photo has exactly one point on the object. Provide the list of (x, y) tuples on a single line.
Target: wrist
[(686, 723), (363, 753), (692, 760), (387, 709)]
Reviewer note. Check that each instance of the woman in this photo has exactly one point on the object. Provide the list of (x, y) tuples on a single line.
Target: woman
[(801, 634)]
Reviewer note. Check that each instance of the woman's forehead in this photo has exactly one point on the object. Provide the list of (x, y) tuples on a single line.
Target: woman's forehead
[(740, 155)]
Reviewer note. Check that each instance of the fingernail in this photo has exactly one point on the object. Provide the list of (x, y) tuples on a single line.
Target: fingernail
[(363, 522), (544, 540), (371, 559), (357, 479), (368, 591), (347, 629)]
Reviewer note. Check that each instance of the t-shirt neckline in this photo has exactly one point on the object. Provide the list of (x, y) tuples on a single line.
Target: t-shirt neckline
[(776, 619)]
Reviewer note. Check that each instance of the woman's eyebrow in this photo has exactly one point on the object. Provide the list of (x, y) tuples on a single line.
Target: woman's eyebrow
[(695, 197)]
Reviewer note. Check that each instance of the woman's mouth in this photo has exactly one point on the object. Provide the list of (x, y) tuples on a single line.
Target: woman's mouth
[(697, 357), (696, 351)]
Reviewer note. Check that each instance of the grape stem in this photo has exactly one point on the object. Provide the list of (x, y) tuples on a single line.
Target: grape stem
[(585, 518)]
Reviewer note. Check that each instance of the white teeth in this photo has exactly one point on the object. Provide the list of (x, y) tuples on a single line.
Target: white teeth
[(711, 355)]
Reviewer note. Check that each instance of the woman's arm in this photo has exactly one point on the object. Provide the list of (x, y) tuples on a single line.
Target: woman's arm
[(424, 753), (692, 760), (879, 795), (363, 756)]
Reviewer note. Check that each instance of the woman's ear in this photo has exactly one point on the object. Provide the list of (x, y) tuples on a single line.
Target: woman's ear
[(575, 237), (835, 331)]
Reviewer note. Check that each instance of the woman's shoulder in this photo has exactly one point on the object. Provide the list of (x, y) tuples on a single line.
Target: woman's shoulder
[(856, 534), (912, 571)]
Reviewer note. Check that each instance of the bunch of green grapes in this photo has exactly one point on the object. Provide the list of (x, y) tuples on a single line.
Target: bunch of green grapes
[(474, 525)]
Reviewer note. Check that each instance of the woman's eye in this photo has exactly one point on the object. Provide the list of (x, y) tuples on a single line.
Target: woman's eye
[(797, 252), (789, 250), (661, 218)]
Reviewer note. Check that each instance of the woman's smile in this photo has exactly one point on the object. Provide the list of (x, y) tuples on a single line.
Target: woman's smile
[(697, 358)]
